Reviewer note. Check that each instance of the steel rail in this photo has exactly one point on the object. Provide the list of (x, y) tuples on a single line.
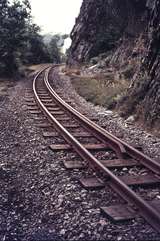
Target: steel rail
[(115, 145), (127, 194), (115, 142)]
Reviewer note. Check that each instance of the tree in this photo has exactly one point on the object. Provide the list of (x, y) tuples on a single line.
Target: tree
[(55, 47), (36, 51), (20, 39), (13, 23), (54, 51)]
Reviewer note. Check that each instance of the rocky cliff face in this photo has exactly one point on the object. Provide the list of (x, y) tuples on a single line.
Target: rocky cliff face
[(103, 24), (144, 96), (129, 30)]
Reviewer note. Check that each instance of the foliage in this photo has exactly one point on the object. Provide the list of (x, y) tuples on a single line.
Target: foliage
[(54, 45), (54, 50), (13, 24), (36, 51), (100, 90), (20, 39)]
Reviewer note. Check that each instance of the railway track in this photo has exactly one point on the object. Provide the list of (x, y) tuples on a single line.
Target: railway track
[(90, 141)]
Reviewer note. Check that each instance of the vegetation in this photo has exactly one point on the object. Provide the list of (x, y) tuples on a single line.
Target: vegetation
[(104, 90), (54, 44), (20, 39)]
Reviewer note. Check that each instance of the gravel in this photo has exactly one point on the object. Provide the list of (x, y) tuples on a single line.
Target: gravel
[(127, 130), (40, 199)]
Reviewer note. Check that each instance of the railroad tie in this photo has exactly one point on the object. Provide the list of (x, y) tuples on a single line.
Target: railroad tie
[(92, 183), (74, 164), (139, 180), (61, 147), (120, 163), (78, 134), (125, 212)]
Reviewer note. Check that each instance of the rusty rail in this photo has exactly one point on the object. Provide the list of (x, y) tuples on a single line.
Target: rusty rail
[(146, 210), (119, 145)]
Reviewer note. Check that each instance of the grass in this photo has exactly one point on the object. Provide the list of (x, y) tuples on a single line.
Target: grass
[(71, 72), (102, 90)]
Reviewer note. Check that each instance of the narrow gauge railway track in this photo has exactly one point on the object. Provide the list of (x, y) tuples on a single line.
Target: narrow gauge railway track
[(58, 112)]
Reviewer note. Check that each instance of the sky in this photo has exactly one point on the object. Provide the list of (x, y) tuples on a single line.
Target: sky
[(55, 16)]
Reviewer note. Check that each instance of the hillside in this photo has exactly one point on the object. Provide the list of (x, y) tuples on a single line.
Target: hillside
[(128, 32)]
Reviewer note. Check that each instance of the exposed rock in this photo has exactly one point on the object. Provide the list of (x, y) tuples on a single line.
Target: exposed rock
[(144, 96), (106, 113), (130, 119), (129, 31), (102, 23)]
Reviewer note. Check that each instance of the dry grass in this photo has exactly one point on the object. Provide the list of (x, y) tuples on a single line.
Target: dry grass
[(71, 72), (102, 90)]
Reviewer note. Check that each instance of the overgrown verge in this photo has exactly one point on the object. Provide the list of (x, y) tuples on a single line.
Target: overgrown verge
[(100, 89)]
